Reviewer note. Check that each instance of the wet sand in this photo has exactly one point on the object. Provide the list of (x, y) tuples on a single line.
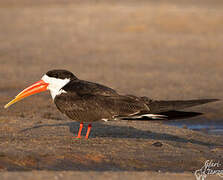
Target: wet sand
[(161, 50)]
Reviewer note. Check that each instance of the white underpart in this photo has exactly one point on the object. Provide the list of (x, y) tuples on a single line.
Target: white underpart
[(106, 120), (55, 85), (152, 116)]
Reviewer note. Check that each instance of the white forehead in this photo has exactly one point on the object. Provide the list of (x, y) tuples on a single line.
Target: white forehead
[(52, 80)]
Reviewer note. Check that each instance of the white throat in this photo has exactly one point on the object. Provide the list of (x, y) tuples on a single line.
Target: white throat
[(55, 85)]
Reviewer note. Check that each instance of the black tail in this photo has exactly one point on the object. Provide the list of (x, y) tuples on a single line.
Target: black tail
[(164, 106)]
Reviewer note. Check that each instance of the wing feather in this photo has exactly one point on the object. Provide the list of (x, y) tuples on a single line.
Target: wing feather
[(96, 107)]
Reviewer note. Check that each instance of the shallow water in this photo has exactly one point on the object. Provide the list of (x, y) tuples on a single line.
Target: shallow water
[(213, 127)]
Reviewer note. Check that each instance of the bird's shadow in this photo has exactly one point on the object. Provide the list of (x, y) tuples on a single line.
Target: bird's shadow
[(105, 130)]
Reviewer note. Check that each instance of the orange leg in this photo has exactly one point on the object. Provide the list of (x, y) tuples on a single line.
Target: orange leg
[(88, 131), (79, 132)]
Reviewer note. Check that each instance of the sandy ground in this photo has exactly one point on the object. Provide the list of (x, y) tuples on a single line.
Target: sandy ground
[(99, 175), (163, 50)]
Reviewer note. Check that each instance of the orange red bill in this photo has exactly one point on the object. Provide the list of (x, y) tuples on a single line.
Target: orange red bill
[(33, 89)]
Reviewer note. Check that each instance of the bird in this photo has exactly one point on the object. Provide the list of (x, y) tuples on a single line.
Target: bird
[(85, 101)]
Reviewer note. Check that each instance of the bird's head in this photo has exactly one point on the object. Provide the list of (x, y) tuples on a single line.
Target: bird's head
[(53, 81)]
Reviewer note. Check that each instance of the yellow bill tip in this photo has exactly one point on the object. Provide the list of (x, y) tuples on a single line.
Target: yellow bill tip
[(12, 102), (7, 105)]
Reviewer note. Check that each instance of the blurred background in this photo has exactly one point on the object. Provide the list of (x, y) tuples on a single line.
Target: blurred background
[(161, 49)]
